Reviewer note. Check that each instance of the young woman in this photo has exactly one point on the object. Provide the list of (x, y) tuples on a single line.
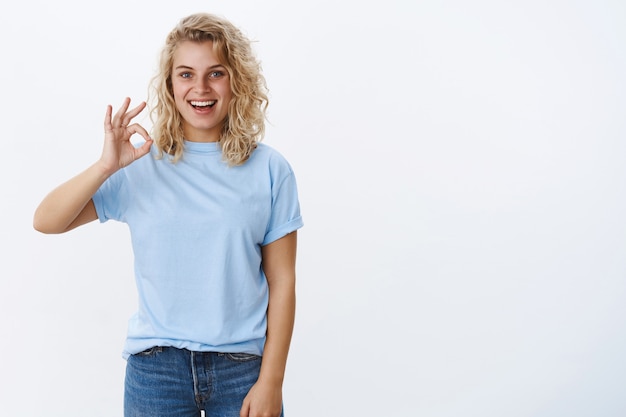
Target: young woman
[(213, 215)]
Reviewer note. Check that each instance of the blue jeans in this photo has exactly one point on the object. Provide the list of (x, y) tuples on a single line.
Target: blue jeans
[(170, 382)]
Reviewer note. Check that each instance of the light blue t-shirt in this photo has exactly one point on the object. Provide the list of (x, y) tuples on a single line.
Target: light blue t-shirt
[(197, 227)]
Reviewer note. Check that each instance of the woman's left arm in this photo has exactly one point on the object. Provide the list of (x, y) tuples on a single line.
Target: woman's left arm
[(279, 265)]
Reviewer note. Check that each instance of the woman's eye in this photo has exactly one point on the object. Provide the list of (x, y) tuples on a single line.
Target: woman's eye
[(185, 75), (216, 74)]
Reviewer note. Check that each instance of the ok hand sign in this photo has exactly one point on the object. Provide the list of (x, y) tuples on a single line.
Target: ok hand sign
[(118, 151)]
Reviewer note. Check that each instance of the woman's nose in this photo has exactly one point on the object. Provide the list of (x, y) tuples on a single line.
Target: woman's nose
[(203, 85)]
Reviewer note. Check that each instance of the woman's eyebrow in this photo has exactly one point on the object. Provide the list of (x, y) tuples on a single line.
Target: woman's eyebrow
[(188, 67)]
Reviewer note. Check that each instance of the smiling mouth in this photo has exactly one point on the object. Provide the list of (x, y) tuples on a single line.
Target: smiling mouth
[(202, 104)]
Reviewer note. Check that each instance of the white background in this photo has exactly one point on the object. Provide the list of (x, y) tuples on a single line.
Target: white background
[(462, 173)]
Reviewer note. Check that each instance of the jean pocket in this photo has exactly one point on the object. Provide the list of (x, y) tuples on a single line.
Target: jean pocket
[(241, 357), (150, 351)]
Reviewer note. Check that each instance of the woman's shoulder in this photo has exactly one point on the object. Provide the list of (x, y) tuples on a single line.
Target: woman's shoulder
[(267, 158), (269, 153)]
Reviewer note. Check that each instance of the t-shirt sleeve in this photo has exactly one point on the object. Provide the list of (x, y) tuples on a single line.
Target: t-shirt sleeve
[(109, 200), (285, 216)]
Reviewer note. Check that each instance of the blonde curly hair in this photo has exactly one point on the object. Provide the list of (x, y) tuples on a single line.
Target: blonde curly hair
[(244, 126)]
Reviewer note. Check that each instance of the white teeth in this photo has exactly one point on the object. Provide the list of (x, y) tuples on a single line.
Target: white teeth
[(202, 103)]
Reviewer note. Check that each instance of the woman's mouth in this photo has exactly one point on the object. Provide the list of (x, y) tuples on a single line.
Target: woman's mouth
[(202, 104)]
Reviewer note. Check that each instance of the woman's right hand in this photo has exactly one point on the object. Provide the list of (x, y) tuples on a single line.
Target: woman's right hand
[(118, 150)]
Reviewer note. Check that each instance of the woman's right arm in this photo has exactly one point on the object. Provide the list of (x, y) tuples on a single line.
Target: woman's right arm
[(70, 204)]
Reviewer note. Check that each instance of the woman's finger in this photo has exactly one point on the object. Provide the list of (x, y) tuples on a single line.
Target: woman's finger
[(129, 115), (118, 119), (134, 112), (144, 149), (137, 128), (107, 119)]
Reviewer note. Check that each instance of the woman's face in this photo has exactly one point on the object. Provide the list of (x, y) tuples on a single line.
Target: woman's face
[(202, 92)]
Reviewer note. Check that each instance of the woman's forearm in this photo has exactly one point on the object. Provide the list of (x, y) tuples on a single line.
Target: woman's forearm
[(62, 206), (280, 322)]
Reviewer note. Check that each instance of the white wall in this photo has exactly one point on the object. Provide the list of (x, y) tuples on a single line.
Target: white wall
[(463, 182)]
